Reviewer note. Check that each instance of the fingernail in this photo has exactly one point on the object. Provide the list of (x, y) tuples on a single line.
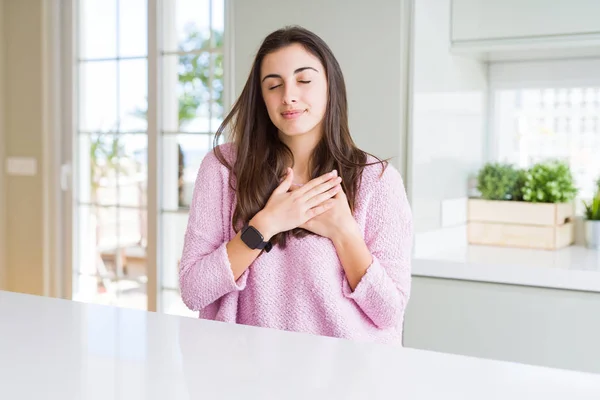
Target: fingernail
[(334, 172)]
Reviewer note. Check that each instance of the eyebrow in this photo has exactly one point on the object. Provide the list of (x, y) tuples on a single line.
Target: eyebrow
[(295, 72)]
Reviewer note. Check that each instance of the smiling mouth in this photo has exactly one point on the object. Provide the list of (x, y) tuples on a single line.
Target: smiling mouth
[(292, 114)]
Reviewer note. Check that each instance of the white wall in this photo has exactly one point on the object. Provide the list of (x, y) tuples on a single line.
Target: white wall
[(369, 39), (447, 137), (548, 327), (25, 124)]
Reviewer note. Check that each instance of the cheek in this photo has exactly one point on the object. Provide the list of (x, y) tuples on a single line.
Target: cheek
[(270, 102), (319, 99)]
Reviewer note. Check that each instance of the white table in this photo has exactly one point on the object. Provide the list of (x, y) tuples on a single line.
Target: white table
[(57, 349)]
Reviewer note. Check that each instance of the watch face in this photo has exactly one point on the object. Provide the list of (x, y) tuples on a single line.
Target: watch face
[(252, 237)]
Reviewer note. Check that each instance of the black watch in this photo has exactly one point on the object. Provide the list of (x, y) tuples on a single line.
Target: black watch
[(254, 239)]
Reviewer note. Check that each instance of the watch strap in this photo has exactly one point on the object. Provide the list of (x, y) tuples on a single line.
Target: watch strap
[(267, 246)]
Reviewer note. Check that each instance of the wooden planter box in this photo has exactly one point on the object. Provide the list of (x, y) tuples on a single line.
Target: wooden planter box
[(520, 224)]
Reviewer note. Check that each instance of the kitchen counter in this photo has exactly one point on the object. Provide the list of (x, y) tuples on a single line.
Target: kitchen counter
[(570, 268), (58, 349)]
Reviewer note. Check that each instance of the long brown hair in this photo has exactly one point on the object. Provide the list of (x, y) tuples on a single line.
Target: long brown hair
[(262, 158)]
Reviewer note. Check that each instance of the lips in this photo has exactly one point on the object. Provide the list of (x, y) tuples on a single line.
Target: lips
[(292, 114)]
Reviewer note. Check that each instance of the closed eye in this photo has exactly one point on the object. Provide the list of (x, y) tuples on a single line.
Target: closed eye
[(276, 86)]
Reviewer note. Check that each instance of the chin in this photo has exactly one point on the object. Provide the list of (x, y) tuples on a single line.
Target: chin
[(294, 132), (288, 130)]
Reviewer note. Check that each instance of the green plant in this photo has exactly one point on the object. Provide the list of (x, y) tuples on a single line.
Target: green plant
[(592, 209), (499, 181), (517, 193), (549, 182)]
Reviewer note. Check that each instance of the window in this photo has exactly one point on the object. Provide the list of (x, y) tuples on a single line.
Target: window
[(115, 166), (548, 110), (538, 124)]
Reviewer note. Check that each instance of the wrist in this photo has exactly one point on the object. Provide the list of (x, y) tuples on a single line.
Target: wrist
[(347, 235), (261, 223)]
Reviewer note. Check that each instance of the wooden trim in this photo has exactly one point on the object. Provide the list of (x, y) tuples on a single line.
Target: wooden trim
[(3, 222), (68, 126), (153, 210), (52, 149)]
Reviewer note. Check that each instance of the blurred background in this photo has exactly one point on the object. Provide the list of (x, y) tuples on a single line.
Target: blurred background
[(489, 109)]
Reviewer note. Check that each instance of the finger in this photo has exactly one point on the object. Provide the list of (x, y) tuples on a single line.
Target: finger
[(340, 194), (316, 182), (286, 184), (320, 209), (322, 188), (320, 198)]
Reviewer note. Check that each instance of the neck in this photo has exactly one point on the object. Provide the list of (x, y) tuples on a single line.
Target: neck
[(302, 147)]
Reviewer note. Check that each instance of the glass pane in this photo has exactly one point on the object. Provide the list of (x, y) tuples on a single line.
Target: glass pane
[(133, 95), (93, 289), (218, 108), (133, 170), (186, 25), (121, 293), (98, 168), (111, 257), (87, 288), (85, 171), (186, 93), (96, 250), (132, 238), (181, 158), (94, 237), (173, 232), (172, 304), (133, 28), (218, 23), (98, 96), (131, 263), (98, 29)]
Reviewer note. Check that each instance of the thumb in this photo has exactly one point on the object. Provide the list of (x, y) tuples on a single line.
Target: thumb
[(285, 185)]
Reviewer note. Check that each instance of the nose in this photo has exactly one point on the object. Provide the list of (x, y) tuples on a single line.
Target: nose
[(290, 96)]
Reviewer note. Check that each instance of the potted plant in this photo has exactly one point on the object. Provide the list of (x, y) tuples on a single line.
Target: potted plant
[(523, 208), (498, 181), (592, 220)]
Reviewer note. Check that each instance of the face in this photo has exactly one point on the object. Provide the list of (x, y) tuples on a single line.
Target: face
[(294, 88)]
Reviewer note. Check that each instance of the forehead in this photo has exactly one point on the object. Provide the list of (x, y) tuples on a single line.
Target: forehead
[(287, 59)]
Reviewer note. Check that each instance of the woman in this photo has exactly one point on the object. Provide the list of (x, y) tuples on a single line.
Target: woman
[(291, 225)]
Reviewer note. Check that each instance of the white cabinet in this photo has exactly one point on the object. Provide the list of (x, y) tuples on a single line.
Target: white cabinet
[(548, 327), (506, 19), (490, 26)]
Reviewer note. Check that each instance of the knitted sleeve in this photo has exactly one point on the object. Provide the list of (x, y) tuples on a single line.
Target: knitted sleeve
[(205, 273), (384, 290)]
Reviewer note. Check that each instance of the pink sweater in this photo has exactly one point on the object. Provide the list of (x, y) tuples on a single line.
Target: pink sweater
[(302, 288)]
